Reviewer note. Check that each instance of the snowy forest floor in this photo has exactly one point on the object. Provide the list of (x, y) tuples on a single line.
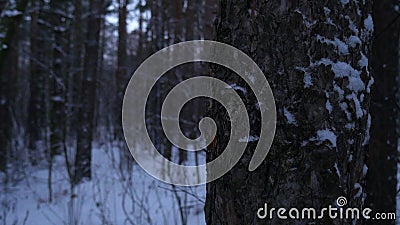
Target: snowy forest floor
[(111, 197)]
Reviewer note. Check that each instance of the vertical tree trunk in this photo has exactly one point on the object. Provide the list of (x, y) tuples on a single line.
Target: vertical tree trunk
[(75, 80), (9, 52), (86, 110), (58, 78), (122, 67), (315, 56), (40, 61), (122, 80), (57, 84), (382, 159), (142, 34)]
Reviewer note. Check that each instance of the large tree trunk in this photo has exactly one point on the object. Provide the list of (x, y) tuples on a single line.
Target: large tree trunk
[(382, 159), (315, 56), (87, 104)]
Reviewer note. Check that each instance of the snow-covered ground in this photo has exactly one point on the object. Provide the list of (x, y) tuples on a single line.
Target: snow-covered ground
[(111, 197)]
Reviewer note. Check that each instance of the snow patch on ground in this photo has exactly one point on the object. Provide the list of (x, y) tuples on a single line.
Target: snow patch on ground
[(111, 197)]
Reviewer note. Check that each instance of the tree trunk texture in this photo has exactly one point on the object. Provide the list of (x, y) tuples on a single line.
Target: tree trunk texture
[(122, 67), (76, 75), (88, 98), (9, 54), (40, 61), (315, 57), (58, 78)]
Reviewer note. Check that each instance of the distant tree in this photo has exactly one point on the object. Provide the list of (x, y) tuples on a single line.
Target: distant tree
[(315, 56), (83, 156), (40, 68), (122, 67), (9, 52), (383, 155)]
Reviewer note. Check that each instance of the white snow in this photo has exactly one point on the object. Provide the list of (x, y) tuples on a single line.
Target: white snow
[(369, 24), (308, 23), (353, 41), (352, 26), (359, 111), (337, 170), (307, 80), (370, 83), (237, 88), (340, 45), (11, 13), (108, 198), (367, 134), (338, 90), (290, 117), (358, 187), (365, 169), (363, 62), (350, 125), (251, 138), (343, 69), (344, 107), (328, 106), (344, 2), (326, 135), (307, 77), (327, 11)]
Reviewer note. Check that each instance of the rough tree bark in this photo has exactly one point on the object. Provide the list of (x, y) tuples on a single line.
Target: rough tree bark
[(315, 56)]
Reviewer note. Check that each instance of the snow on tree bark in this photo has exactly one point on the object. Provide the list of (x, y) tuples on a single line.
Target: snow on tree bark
[(308, 53)]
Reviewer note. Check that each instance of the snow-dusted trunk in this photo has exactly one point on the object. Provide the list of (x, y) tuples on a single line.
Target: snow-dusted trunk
[(58, 78), (382, 162), (315, 56)]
